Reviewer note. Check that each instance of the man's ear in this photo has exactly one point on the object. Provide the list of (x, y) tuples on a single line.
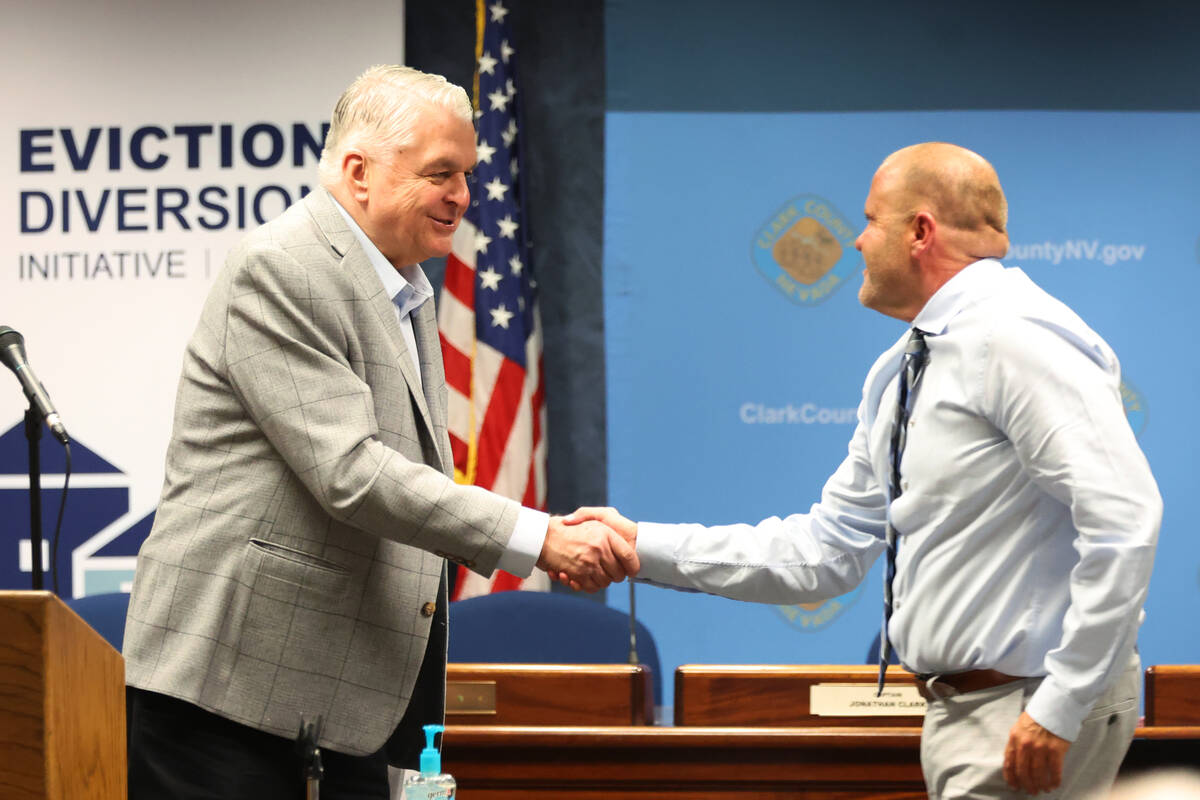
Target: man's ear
[(356, 174), (923, 229)]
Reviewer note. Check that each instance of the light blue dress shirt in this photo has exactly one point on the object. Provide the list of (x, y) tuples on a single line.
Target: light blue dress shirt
[(409, 289), (1028, 519)]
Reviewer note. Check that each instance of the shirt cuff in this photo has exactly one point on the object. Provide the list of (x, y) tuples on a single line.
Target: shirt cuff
[(1055, 710), (656, 543), (525, 544)]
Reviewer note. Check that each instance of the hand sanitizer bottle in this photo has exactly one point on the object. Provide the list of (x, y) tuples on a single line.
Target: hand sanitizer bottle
[(431, 783)]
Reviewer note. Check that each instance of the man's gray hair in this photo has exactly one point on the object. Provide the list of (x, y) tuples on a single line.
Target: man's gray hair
[(378, 113)]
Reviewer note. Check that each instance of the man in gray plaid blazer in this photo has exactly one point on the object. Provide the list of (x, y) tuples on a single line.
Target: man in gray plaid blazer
[(297, 564)]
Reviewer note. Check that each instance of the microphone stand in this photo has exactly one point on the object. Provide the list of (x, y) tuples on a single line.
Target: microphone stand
[(33, 432), (633, 653), (310, 755)]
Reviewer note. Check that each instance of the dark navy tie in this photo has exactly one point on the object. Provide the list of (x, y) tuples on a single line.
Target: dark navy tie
[(912, 366)]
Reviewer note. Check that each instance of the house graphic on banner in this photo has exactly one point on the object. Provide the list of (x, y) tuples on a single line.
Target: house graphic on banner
[(100, 534)]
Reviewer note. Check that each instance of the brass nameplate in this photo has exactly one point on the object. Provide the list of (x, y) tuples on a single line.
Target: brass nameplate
[(859, 700), (470, 697)]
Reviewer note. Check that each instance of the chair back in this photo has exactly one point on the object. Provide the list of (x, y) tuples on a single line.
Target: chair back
[(105, 613), (546, 628)]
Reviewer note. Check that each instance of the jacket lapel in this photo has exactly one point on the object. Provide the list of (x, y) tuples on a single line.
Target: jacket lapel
[(344, 242), (433, 376)]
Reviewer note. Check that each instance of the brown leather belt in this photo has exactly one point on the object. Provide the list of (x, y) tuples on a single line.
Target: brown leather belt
[(972, 680)]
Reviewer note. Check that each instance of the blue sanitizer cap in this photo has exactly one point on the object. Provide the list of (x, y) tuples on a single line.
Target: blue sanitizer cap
[(431, 759)]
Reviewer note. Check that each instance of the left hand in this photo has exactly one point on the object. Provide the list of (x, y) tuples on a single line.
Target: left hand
[(1033, 758)]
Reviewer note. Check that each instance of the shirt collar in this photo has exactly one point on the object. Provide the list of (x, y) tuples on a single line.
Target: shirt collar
[(954, 295), (407, 286)]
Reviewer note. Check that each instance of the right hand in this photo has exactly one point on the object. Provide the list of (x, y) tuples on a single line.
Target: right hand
[(588, 555), (624, 527)]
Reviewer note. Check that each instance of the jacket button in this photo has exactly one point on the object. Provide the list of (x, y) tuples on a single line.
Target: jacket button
[(428, 609)]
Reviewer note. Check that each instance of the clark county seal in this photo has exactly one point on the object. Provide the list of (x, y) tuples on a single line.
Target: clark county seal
[(812, 617), (1135, 407), (805, 250)]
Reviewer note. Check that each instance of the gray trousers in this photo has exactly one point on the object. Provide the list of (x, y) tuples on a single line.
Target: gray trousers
[(964, 738)]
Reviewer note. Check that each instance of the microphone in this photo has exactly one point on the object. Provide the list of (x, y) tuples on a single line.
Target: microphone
[(12, 353)]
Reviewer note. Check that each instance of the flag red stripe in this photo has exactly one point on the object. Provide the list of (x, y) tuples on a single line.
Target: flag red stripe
[(530, 499), (539, 397), (498, 422), (460, 281), (503, 582), (459, 448), (460, 580), (458, 367)]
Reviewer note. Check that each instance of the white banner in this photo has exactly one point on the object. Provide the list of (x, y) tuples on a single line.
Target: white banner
[(142, 139)]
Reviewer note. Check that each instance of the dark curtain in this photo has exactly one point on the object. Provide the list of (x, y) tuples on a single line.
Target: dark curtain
[(560, 53)]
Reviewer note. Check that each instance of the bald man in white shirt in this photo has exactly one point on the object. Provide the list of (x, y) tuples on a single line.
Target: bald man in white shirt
[(1023, 512)]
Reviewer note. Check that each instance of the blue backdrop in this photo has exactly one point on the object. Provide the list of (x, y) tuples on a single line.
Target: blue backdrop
[(728, 394)]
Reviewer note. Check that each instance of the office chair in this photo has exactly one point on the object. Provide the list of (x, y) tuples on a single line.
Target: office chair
[(546, 628), (105, 613)]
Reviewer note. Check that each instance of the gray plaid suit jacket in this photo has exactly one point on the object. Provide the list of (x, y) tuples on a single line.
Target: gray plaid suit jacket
[(297, 552)]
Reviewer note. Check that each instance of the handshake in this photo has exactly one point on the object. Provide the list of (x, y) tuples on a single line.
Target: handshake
[(590, 548)]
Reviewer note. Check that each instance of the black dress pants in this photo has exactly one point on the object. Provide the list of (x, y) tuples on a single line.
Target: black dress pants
[(179, 751)]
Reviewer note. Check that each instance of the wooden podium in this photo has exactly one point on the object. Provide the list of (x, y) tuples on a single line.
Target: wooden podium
[(62, 704)]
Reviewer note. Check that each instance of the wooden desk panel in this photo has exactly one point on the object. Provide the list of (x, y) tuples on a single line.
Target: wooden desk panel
[(648, 763), (775, 695), (1173, 695), (548, 694), (825, 757)]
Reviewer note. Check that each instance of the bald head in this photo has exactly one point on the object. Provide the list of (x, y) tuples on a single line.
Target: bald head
[(959, 188), (933, 209)]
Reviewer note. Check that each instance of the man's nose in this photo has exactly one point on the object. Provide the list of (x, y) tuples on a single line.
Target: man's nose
[(459, 193)]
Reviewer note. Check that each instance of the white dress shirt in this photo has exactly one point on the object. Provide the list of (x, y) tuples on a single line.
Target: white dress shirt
[(1028, 518), (409, 288)]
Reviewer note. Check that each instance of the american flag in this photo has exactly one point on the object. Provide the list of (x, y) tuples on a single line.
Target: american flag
[(488, 319)]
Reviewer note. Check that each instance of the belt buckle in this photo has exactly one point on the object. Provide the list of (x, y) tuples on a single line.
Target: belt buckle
[(931, 687)]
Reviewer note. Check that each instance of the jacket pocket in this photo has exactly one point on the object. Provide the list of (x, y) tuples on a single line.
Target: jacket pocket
[(299, 557), (293, 576), (1118, 707)]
